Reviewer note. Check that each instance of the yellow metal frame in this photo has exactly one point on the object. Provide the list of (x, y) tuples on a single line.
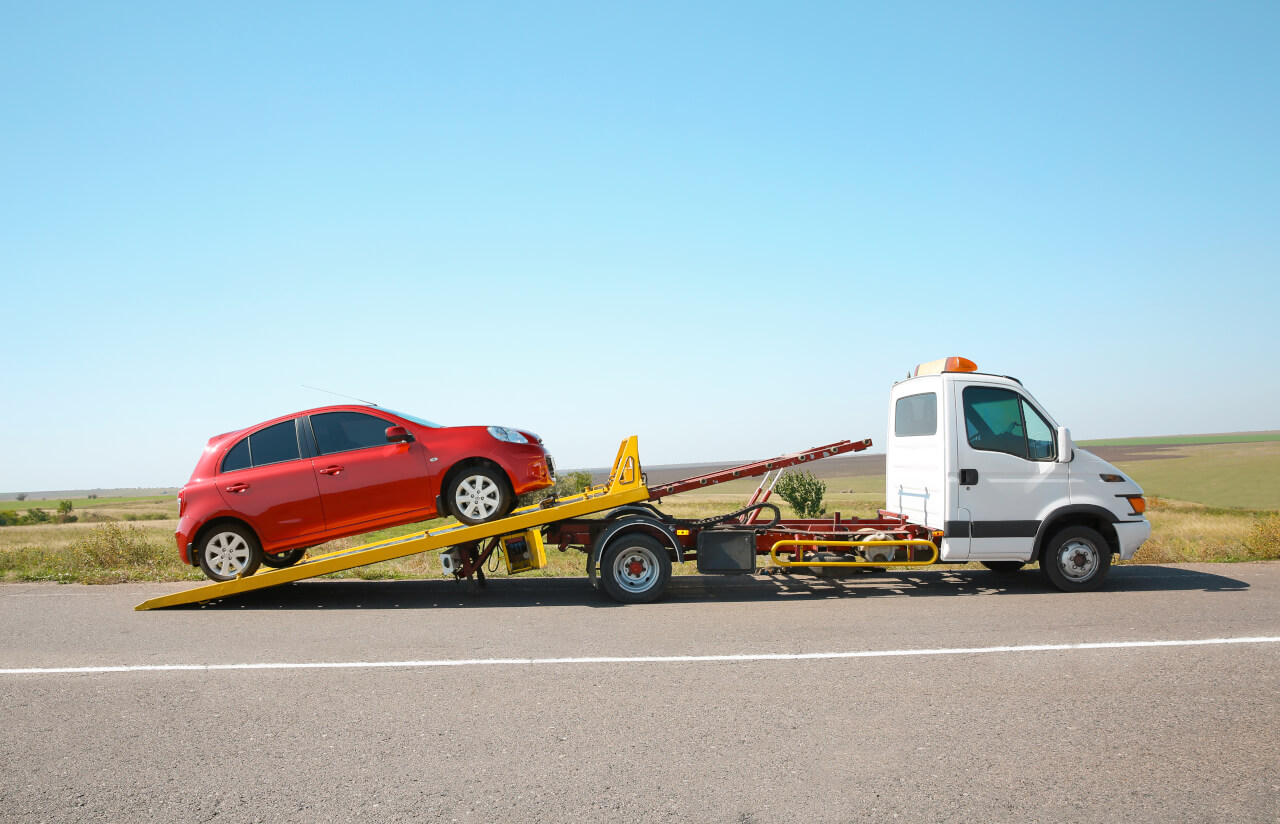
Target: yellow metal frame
[(625, 486), (800, 562)]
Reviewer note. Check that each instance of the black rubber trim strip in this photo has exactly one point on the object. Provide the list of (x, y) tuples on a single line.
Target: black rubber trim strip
[(992, 529)]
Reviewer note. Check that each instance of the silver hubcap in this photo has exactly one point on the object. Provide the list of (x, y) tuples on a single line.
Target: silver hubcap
[(636, 569), (1078, 559), (477, 497), (227, 554)]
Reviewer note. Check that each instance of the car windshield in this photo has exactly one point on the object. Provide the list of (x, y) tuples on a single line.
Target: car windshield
[(414, 418)]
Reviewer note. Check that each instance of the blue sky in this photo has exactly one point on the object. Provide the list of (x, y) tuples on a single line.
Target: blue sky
[(726, 229)]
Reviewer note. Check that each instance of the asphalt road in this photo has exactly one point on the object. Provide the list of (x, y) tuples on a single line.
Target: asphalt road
[(1177, 733)]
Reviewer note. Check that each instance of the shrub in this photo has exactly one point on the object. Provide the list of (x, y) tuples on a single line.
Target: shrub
[(36, 516), (8, 518), (803, 491), (570, 483), (1262, 543), (22, 496), (64, 513)]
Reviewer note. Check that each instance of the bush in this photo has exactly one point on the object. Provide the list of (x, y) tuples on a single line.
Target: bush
[(570, 483), (8, 518), (803, 491), (22, 496), (36, 516), (1262, 543), (64, 513)]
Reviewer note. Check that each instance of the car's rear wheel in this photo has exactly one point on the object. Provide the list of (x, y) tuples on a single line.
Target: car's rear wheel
[(229, 551), (282, 560), (478, 494)]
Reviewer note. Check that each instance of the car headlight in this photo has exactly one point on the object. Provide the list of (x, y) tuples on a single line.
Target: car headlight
[(507, 434)]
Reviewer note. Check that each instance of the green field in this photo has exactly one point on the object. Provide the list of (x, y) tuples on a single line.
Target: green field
[(1179, 440), (1215, 502)]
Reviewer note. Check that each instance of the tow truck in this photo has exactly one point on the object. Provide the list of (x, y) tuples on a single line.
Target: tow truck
[(976, 470)]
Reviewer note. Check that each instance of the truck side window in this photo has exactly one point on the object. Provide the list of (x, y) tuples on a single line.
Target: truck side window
[(1040, 437), (1000, 420), (916, 415)]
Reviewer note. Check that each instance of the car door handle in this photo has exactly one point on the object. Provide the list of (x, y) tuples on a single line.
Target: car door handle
[(332, 470), (968, 477), (238, 488)]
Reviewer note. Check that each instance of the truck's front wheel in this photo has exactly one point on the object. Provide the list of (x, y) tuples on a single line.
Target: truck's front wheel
[(1076, 559), (635, 569)]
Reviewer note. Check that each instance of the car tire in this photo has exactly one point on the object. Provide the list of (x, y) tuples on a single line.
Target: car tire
[(283, 560), (228, 552), (478, 494), (1004, 567), (635, 569), (1076, 559)]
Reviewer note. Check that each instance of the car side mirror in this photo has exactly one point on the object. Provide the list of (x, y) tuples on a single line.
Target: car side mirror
[(1066, 447), (398, 434)]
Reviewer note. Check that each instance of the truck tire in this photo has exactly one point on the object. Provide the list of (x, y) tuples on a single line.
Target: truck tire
[(1004, 567), (1076, 559), (229, 551), (283, 560), (635, 568)]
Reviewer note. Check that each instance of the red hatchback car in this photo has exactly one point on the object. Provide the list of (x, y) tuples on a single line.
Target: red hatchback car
[(267, 493)]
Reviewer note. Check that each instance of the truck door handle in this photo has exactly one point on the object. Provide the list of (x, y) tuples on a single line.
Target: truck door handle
[(332, 470), (238, 488), (968, 477)]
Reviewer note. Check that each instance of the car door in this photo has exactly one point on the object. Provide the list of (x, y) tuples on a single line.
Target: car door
[(266, 478), (1009, 474), (361, 477)]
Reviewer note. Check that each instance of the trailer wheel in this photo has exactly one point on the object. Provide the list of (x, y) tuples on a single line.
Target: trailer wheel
[(1003, 566), (282, 560), (635, 569), (229, 552), (478, 494), (1076, 559)]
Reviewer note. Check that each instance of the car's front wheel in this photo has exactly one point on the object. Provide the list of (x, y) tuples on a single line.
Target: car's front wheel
[(478, 494), (228, 552)]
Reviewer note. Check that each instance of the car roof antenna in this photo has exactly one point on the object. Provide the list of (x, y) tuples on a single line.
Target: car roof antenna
[(339, 394)]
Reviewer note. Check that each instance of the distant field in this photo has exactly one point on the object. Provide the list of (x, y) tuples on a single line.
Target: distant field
[(1237, 475), (1177, 440), (85, 503)]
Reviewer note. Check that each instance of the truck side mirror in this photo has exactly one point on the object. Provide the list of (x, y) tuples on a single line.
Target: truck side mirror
[(1066, 447)]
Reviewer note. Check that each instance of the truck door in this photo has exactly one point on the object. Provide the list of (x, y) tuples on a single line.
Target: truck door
[(1008, 471)]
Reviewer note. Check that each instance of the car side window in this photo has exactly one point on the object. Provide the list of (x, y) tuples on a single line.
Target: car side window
[(1001, 420), (275, 444), (237, 457), (345, 431)]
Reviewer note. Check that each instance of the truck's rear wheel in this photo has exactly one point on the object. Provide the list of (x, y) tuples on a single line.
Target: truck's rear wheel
[(1076, 559), (635, 569)]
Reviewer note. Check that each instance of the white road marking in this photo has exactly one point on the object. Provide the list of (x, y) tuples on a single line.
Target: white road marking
[(643, 659)]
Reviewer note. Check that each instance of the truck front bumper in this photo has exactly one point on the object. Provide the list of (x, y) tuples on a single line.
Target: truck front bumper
[(1132, 534)]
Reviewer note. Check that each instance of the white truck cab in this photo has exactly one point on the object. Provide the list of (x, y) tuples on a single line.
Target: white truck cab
[(976, 456)]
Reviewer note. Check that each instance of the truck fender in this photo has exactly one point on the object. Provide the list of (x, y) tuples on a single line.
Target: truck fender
[(631, 523), (1084, 514)]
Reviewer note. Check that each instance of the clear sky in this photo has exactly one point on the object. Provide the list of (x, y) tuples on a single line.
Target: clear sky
[(726, 229)]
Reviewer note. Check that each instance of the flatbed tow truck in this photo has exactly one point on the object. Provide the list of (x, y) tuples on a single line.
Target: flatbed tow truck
[(974, 466)]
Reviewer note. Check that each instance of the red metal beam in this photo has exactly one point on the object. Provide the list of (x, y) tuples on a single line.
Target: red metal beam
[(752, 470)]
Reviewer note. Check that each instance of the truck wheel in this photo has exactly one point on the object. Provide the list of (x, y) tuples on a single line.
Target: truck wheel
[(229, 552), (1003, 566), (635, 569), (1076, 559), (282, 560), (478, 494)]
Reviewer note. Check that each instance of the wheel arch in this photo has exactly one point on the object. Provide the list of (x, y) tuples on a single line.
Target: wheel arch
[(442, 505), (1096, 518), (210, 525), (665, 533)]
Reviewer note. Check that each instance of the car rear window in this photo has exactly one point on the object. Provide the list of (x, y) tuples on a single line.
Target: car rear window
[(237, 457), (345, 431)]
